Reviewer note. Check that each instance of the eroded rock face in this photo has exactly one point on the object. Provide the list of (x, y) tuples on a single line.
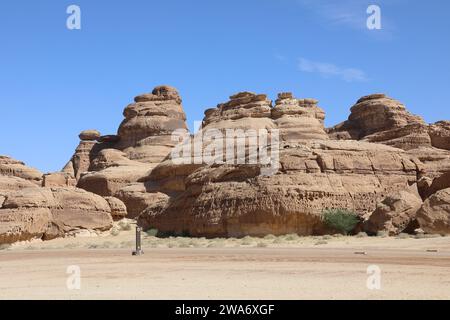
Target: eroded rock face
[(13, 168), (20, 225), (434, 215), (81, 160), (79, 209), (380, 119), (29, 211), (315, 174), (440, 135), (394, 214), (118, 208), (298, 119), (48, 213), (146, 133), (58, 179), (369, 164), (137, 198), (112, 166), (89, 135), (110, 171)]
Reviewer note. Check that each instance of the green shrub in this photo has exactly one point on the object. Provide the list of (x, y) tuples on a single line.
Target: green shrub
[(4, 246), (125, 226), (291, 237), (115, 232), (152, 232), (342, 220), (262, 245)]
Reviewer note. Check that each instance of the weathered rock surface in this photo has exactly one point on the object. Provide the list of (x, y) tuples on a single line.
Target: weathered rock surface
[(79, 209), (110, 171), (48, 213), (394, 214), (29, 211), (146, 133), (118, 208), (434, 215), (380, 119), (58, 179), (14, 168), (89, 135), (81, 160), (298, 119), (372, 164), (315, 174), (137, 198), (440, 135)]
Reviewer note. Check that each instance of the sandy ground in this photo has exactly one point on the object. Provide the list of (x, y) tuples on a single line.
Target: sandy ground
[(273, 268)]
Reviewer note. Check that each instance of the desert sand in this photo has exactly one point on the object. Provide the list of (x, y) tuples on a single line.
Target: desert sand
[(288, 267)]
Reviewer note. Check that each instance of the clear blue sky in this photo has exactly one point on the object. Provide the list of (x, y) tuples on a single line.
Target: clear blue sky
[(55, 82)]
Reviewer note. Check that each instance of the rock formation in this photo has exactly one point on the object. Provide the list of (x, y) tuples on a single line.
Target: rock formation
[(376, 164), (14, 168), (395, 214), (146, 133), (315, 173), (29, 211), (380, 119), (434, 216)]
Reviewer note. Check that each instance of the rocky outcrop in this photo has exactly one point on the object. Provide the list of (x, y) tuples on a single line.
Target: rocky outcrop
[(89, 135), (58, 179), (380, 119), (373, 164), (137, 197), (118, 208), (236, 200), (394, 214), (110, 171), (434, 215), (115, 164), (48, 213), (298, 119), (146, 133), (440, 135), (13, 168), (431, 186), (29, 211)]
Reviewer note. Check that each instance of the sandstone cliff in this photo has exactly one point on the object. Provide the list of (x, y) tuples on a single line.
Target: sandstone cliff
[(383, 163)]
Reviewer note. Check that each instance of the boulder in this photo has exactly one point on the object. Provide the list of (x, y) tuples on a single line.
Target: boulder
[(137, 198), (118, 208), (394, 214), (23, 224), (89, 135), (79, 209), (47, 213), (440, 135), (434, 215), (110, 171), (434, 185)]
